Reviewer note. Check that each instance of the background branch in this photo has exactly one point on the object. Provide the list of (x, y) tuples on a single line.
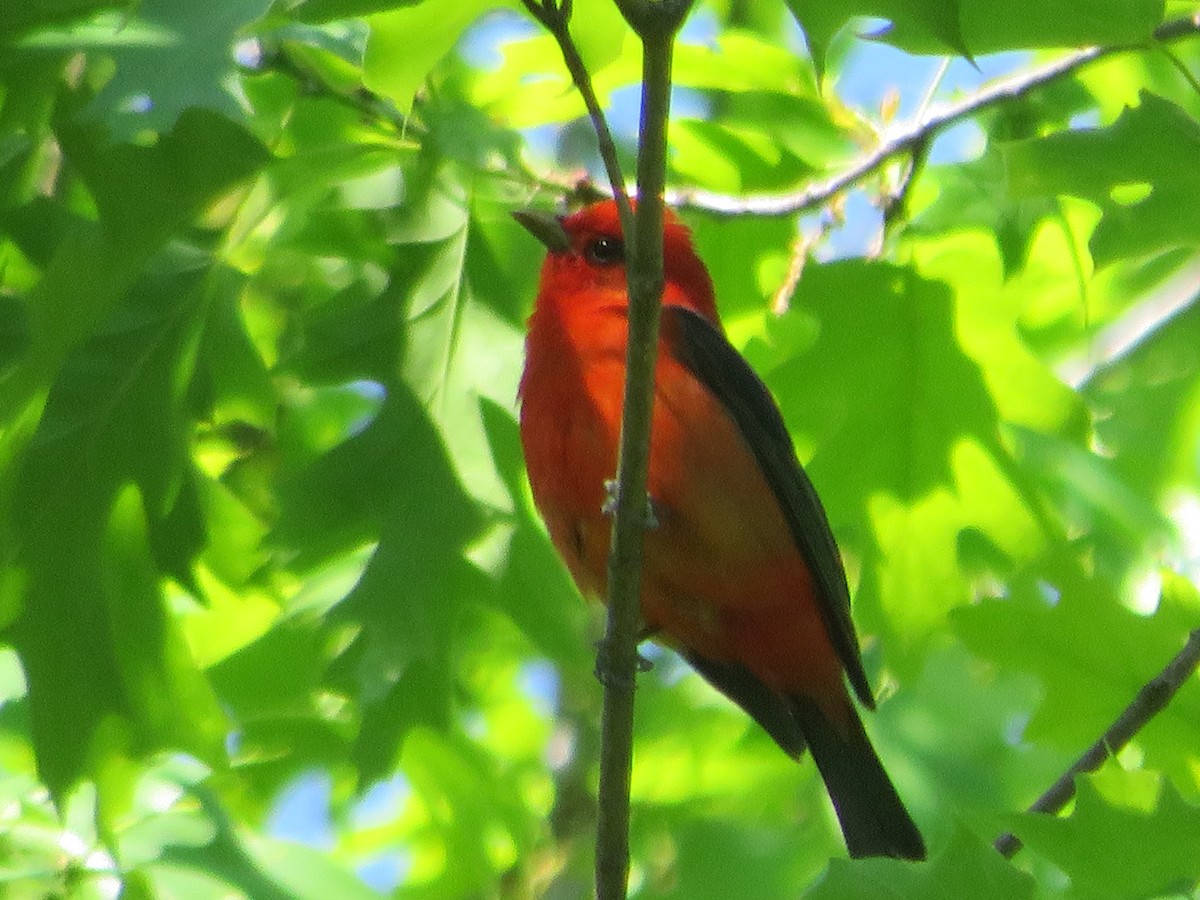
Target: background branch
[(909, 137), (1150, 700)]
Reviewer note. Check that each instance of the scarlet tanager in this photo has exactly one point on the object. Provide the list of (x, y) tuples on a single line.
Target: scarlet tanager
[(741, 573)]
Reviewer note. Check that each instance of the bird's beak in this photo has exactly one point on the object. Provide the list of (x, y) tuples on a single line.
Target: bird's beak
[(544, 226)]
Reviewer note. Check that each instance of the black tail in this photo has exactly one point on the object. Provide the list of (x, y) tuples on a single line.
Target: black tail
[(873, 819)]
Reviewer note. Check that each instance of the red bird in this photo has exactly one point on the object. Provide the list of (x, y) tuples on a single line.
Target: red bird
[(741, 573)]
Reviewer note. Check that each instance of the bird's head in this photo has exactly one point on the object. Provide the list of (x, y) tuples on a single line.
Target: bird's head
[(585, 251)]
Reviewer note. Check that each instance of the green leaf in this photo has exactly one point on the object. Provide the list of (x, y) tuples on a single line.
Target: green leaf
[(220, 852), (232, 382), (947, 740), (395, 64), (461, 132), (724, 158), (968, 867), (391, 483), (394, 472), (330, 10), (748, 258), (974, 27), (976, 195), (1111, 851), (161, 687), (277, 675), (931, 23), (533, 587), (170, 57), (469, 830), (1146, 149), (995, 313), (306, 873), (143, 195), (989, 27), (457, 350), (739, 62), (16, 18), (599, 31), (708, 855), (114, 417), (1120, 520)]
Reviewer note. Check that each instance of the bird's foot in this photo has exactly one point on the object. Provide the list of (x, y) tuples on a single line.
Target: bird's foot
[(606, 672), (612, 500)]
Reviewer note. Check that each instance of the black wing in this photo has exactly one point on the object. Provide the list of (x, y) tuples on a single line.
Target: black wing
[(705, 352)]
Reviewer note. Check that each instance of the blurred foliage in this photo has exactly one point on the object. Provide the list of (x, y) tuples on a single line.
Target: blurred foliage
[(263, 519)]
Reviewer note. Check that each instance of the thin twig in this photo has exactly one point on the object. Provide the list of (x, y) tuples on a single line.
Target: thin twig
[(555, 16), (922, 129), (1153, 310), (1150, 700), (934, 83), (896, 202), (895, 205), (782, 298)]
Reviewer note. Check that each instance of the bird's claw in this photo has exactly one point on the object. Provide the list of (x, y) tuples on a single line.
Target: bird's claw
[(609, 506), (605, 673), (612, 500)]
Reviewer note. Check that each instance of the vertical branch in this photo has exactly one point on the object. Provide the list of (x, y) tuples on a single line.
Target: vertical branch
[(656, 24)]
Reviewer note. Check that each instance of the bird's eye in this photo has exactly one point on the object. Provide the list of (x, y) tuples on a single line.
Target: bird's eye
[(605, 251)]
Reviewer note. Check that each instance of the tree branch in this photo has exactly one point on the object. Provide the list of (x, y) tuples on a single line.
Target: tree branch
[(908, 137), (1150, 700)]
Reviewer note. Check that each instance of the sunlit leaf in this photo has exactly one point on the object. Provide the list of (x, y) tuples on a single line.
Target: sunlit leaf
[(395, 64), (1143, 149), (114, 417), (972, 27), (183, 61), (1089, 652), (901, 482)]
